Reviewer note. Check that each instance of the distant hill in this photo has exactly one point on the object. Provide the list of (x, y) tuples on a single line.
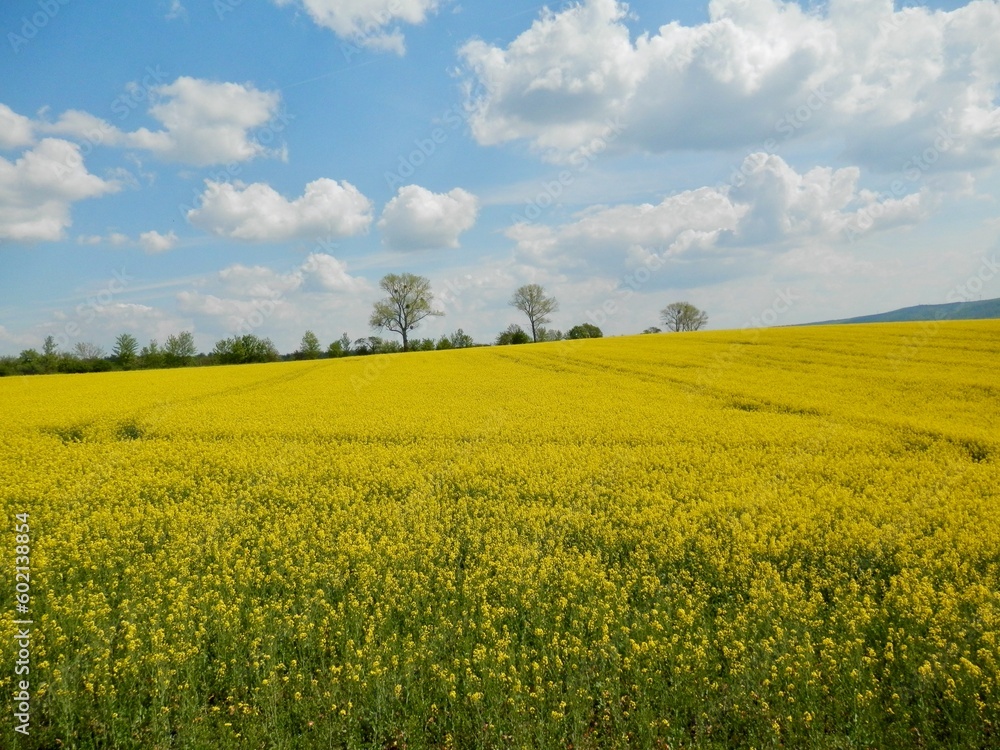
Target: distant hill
[(974, 310)]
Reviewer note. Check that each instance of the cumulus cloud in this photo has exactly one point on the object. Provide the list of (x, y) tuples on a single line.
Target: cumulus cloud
[(417, 219), (39, 188), (258, 213), (15, 129), (757, 71), (771, 207), (370, 23), (258, 281), (203, 123), (82, 126), (206, 123), (331, 274), (153, 242), (243, 297)]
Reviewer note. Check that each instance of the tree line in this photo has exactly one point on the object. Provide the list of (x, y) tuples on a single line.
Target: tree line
[(407, 303)]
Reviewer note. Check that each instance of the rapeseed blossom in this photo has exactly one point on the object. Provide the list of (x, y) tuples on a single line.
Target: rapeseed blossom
[(777, 538)]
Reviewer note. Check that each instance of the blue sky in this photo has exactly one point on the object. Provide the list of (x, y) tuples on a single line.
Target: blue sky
[(259, 165)]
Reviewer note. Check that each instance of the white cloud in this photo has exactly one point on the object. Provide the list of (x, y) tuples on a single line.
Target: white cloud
[(233, 313), (258, 281), (244, 298), (370, 23), (37, 191), (259, 213), (15, 129), (772, 207), (331, 274), (153, 242), (9, 337), (759, 70), (82, 126), (328, 273), (176, 10), (207, 123), (204, 123), (418, 219)]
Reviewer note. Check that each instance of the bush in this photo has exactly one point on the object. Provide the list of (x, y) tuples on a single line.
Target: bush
[(242, 350), (513, 335), (584, 331)]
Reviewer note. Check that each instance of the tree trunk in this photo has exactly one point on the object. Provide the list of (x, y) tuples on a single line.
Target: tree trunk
[(404, 339)]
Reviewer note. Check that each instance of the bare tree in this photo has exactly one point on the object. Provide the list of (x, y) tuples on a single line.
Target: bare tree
[(531, 300), (408, 303), (683, 316), (86, 350)]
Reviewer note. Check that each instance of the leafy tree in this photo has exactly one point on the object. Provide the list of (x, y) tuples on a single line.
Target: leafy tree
[(513, 335), (389, 347), (179, 350), (30, 362), (422, 345), (683, 316), (584, 331), (531, 300), (408, 303), (244, 350), (652, 329), (8, 366), (340, 348), (151, 356), (49, 354), (544, 334), (126, 349), (461, 340), (309, 348), (443, 343)]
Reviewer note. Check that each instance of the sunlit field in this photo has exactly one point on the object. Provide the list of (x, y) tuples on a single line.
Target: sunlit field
[(785, 538)]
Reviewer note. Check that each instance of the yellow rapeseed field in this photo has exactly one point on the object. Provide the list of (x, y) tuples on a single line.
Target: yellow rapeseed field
[(781, 538)]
